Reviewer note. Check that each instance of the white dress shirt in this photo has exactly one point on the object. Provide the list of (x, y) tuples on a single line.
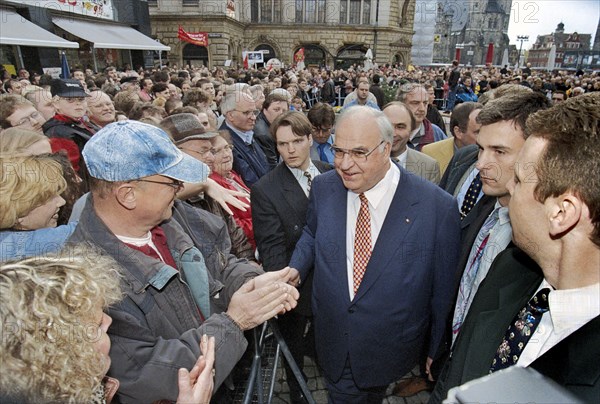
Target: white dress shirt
[(301, 178), (570, 309), (380, 198)]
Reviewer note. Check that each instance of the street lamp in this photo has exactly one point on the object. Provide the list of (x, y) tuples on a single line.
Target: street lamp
[(522, 38)]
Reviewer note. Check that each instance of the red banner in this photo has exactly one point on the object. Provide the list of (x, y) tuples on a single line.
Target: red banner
[(489, 59), (197, 38)]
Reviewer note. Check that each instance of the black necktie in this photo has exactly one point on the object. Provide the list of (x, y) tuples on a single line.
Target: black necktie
[(471, 196), (520, 331)]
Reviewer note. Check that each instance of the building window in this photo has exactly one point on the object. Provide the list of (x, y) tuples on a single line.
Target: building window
[(268, 11), (355, 12), (153, 3), (310, 11), (190, 2)]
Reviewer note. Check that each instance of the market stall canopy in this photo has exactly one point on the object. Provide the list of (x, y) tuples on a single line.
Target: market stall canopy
[(109, 36), (17, 30)]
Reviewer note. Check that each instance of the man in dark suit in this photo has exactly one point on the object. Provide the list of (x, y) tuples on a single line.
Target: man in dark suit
[(554, 210), (249, 159), (383, 246), (279, 203)]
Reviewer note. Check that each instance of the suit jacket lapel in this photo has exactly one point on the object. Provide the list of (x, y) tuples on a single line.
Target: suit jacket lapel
[(489, 325), (292, 191), (397, 223)]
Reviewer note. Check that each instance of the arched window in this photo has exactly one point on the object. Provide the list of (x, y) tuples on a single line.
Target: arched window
[(349, 55), (267, 50), (195, 55), (314, 55)]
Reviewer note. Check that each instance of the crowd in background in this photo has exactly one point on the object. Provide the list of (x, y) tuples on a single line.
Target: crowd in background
[(223, 119)]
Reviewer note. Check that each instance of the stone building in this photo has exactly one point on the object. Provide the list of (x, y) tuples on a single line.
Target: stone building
[(471, 26), (335, 33), (568, 46)]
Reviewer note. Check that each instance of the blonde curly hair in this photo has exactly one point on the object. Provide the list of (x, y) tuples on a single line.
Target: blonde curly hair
[(27, 183), (49, 324)]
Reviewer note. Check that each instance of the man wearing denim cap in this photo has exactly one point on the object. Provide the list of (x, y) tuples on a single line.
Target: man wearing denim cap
[(171, 297)]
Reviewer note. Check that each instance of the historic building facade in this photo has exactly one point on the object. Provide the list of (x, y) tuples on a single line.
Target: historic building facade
[(333, 33), (471, 26), (569, 48)]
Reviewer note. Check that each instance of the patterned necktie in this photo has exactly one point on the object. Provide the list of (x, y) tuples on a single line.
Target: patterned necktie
[(322, 154), (465, 290), (520, 331), (362, 242), (308, 180), (471, 196)]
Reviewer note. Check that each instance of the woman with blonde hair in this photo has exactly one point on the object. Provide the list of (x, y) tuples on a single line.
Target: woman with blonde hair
[(54, 345), (30, 188), (18, 141)]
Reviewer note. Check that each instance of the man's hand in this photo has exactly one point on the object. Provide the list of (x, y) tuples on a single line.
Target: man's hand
[(283, 276), (294, 276), (428, 363), (197, 385), (251, 306), (226, 196)]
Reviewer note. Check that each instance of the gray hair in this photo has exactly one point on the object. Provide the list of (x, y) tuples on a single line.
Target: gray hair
[(406, 89), (386, 131), (231, 99)]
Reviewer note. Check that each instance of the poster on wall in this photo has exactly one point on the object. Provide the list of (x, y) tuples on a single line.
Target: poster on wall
[(88, 8)]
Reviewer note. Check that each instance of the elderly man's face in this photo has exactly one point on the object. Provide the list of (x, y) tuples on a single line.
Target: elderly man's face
[(243, 117), (102, 109), (401, 122), (200, 149), (155, 195), (360, 132), (417, 101)]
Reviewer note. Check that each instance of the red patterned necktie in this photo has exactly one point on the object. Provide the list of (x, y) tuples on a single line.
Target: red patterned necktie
[(362, 241)]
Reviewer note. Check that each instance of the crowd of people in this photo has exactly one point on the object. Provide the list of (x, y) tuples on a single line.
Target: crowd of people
[(386, 218)]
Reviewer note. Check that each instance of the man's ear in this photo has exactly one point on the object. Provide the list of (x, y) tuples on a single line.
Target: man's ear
[(564, 212), (458, 133), (126, 196)]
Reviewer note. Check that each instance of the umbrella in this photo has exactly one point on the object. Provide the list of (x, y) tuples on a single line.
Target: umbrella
[(65, 72)]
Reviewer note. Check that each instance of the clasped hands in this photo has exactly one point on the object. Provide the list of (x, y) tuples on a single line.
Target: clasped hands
[(263, 297)]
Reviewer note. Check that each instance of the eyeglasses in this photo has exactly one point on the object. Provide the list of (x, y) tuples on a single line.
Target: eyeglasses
[(248, 114), (200, 153), (176, 184), (222, 149), (34, 116), (355, 154), (322, 130)]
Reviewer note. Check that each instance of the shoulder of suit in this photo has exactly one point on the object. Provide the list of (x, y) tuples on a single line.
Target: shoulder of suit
[(437, 146), (421, 156)]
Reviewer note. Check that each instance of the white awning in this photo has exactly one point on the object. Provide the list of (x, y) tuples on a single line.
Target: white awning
[(109, 36), (17, 30)]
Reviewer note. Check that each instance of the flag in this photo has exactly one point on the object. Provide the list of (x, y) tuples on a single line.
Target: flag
[(299, 55), (65, 72), (196, 38), (245, 59)]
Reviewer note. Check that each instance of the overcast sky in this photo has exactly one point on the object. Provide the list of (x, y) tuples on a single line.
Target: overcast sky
[(540, 17)]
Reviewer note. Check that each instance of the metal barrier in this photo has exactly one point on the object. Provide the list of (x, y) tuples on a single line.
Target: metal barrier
[(265, 368)]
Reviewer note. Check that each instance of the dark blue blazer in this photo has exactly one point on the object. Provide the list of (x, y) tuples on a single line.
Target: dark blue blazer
[(249, 160), (406, 288)]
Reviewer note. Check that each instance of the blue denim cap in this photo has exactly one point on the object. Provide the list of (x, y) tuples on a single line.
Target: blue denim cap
[(129, 150)]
